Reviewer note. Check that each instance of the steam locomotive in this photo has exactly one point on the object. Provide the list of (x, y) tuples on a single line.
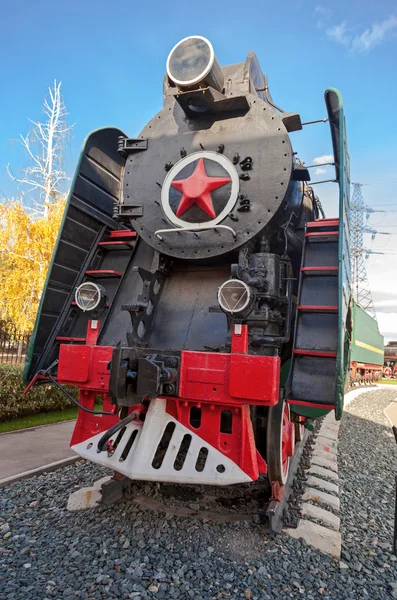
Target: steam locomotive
[(197, 290)]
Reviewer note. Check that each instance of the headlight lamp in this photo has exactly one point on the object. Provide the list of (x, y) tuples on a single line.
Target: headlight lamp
[(193, 61), (234, 296), (90, 296)]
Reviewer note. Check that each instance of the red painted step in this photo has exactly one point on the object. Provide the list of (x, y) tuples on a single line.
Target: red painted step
[(316, 308), (321, 233), (315, 353), (121, 234), (323, 223), (61, 338), (310, 404), (308, 269), (116, 245), (102, 273)]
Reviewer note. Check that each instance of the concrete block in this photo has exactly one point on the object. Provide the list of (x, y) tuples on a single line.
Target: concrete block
[(327, 461), (86, 497), (316, 513), (322, 484), (325, 452), (322, 441), (321, 472), (329, 434), (329, 419), (330, 423), (326, 540), (323, 498)]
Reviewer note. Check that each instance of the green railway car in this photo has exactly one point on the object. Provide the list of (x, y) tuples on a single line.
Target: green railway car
[(367, 347)]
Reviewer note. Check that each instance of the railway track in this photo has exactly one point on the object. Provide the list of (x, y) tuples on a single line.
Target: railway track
[(246, 502)]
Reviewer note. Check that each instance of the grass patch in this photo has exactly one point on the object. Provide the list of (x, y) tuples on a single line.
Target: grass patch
[(389, 381), (45, 418)]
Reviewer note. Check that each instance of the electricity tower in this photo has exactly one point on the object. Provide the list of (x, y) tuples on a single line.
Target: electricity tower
[(360, 285)]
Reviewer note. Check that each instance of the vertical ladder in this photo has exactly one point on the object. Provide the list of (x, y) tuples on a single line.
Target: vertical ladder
[(111, 264), (313, 369)]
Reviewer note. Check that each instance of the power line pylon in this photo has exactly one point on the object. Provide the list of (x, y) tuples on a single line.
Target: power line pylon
[(361, 290)]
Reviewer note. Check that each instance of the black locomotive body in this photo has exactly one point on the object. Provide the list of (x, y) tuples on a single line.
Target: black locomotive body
[(187, 259)]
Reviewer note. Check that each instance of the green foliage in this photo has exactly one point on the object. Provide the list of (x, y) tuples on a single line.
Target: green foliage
[(42, 398)]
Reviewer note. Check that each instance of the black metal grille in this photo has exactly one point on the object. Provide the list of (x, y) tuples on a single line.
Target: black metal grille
[(13, 345)]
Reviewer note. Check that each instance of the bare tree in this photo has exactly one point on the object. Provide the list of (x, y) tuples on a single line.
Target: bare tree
[(45, 177)]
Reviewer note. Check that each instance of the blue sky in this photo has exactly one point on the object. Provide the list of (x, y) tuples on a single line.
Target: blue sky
[(111, 61)]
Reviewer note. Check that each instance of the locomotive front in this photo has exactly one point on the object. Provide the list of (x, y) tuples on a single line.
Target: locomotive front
[(181, 315), (213, 160)]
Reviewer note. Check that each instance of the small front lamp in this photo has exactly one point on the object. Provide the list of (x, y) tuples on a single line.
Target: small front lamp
[(90, 296)]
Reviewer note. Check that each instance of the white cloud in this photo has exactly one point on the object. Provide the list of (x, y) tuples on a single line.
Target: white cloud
[(320, 160), (387, 325), (365, 41), (340, 34), (386, 306), (326, 158), (322, 14), (374, 35), (384, 288), (322, 10)]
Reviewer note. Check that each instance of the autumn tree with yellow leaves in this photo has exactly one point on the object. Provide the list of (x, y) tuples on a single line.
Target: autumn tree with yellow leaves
[(26, 245), (29, 226)]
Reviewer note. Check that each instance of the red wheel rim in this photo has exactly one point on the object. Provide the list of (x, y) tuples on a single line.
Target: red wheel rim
[(287, 440)]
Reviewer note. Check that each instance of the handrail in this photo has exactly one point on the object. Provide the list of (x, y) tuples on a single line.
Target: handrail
[(194, 229)]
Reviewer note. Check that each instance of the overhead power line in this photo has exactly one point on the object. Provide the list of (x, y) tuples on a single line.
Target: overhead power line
[(361, 290), (359, 253)]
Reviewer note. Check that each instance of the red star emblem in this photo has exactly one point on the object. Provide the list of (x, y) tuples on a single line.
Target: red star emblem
[(197, 189)]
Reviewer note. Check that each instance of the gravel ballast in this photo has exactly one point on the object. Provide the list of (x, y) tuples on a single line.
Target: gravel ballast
[(128, 552), (367, 463)]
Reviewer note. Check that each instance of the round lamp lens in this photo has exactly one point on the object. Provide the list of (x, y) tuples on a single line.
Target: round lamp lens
[(190, 60), (89, 296), (234, 296)]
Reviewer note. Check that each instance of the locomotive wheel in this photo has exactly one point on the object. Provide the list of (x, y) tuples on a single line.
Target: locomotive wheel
[(280, 442)]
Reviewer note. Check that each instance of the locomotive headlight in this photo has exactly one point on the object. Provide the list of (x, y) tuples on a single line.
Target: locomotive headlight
[(234, 296), (193, 61), (90, 296)]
